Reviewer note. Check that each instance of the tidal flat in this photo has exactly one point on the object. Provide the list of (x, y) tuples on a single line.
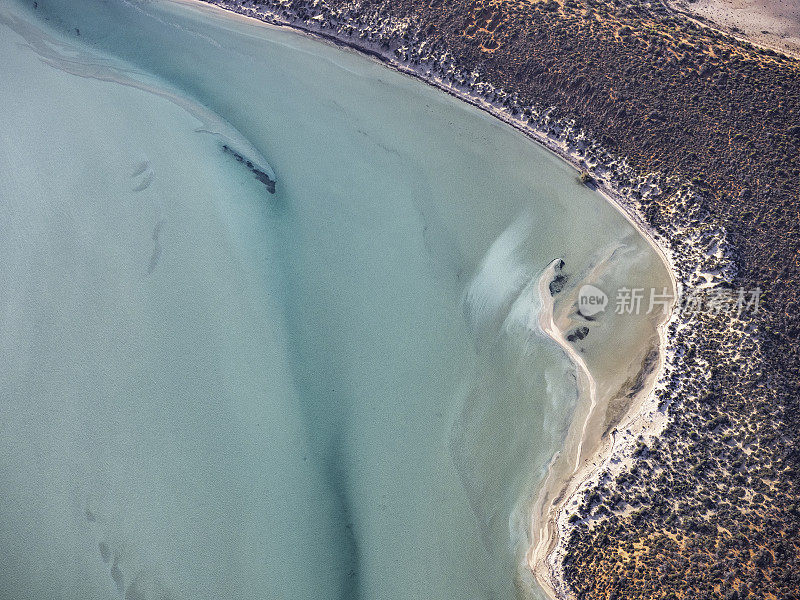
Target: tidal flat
[(336, 390)]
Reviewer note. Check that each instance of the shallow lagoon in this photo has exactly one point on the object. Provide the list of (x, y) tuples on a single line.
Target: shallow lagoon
[(335, 391)]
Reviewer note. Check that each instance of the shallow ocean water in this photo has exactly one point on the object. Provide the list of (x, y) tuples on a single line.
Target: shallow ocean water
[(210, 391)]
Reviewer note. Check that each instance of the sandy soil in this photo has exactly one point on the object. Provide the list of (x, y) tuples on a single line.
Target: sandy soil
[(771, 23)]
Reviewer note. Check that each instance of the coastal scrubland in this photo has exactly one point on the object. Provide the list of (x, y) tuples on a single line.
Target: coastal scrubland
[(711, 507)]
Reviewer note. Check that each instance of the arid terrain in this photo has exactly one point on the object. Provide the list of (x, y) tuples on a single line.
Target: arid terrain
[(711, 507), (771, 23)]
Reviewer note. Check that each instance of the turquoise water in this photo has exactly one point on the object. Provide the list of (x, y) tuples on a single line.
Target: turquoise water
[(211, 391)]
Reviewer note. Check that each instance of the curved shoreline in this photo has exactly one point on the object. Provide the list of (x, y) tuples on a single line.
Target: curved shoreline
[(546, 533), (558, 488), (543, 554)]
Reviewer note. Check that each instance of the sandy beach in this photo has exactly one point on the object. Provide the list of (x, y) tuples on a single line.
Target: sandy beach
[(590, 446)]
